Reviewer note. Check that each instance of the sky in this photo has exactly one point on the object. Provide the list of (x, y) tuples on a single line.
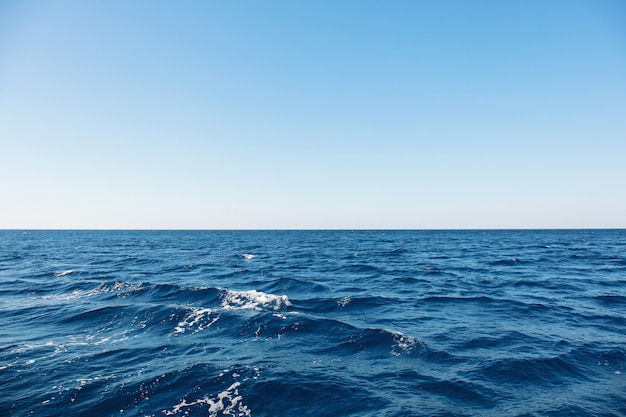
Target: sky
[(447, 114)]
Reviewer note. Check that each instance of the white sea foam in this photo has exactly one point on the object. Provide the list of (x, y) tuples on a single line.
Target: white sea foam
[(403, 343), (247, 256), (253, 300), (344, 301), (226, 403), (64, 273), (197, 319)]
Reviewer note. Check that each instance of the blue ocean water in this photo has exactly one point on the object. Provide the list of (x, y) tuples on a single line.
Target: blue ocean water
[(313, 323)]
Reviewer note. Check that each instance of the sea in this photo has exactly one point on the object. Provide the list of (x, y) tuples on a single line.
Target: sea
[(313, 323)]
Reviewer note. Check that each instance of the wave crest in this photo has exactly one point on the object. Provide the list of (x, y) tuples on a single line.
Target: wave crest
[(64, 273), (253, 299)]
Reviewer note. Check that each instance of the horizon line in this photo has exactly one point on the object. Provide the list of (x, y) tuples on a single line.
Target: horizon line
[(309, 229)]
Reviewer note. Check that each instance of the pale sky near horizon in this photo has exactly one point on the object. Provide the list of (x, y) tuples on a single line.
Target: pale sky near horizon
[(312, 114)]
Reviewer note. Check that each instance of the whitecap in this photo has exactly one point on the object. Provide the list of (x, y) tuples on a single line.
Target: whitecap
[(247, 256), (253, 299), (344, 301), (404, 343), (64, 273)]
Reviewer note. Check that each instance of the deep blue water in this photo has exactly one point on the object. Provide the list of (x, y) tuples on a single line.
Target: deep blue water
[(313, 323)]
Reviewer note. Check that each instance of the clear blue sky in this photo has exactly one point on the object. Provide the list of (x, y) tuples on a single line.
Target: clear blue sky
[(312, 114)]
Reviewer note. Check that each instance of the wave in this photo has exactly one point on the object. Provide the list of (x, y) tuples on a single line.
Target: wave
[(189, 309), (253, 299), (583, 363), (430, 271), (507, 262), (610, 299), (153, 293), (84, 290), (320, 305), (310, 288), (360, 268), (343, 339), (64, 273), (450, 299), (160, 292)]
